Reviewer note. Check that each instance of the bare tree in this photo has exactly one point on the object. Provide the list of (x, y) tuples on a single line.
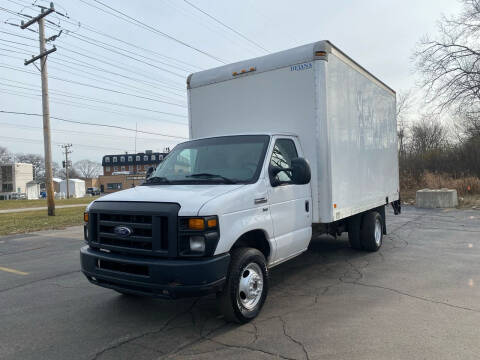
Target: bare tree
[(88, 169), (450, 62), (5, 156), (403, 107), (427, 135)]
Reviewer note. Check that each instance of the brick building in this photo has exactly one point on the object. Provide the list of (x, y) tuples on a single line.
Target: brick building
[(131, 163), (112, 183), (124, 171)]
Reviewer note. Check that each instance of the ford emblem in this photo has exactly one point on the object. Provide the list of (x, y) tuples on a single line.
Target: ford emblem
[(123, 230)]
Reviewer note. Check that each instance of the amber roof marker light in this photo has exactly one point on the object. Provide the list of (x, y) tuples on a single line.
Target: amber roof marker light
[(244, 71)]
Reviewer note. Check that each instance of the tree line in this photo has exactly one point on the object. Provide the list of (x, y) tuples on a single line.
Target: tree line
[(82, 169), (448, 65)]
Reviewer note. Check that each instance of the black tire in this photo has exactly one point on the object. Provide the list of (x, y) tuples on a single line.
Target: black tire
[(372, 231), (354, 232), (230, 302)]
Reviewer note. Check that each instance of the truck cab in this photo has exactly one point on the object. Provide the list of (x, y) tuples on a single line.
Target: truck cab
[(209, 200)]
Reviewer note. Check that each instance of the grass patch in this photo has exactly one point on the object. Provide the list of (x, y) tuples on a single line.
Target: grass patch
[(19, 204), (469, 202), (28, 221)]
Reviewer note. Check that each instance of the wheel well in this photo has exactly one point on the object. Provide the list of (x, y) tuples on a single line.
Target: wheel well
[(255, 239)]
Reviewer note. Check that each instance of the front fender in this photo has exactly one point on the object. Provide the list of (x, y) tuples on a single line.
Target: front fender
[(235, 224)]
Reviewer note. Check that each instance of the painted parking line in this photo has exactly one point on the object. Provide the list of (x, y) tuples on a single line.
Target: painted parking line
[(13, 271)]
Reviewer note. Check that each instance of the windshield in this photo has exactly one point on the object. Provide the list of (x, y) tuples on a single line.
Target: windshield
[(220, 160)]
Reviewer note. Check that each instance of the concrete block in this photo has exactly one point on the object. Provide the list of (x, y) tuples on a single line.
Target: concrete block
[(442, 198)]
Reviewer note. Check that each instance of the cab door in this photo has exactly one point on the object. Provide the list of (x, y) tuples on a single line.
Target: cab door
[(290, 204)]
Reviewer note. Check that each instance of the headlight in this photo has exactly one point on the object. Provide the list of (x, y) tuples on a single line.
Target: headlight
[(198, 236), (197, 244)]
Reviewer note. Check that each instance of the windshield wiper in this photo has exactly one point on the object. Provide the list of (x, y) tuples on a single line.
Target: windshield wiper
[(157, 180), (209, 176)]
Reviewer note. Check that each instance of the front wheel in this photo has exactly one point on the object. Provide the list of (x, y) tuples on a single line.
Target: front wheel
[(247, 286)]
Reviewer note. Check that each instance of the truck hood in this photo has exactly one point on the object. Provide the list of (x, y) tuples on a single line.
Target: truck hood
[(190, 197)]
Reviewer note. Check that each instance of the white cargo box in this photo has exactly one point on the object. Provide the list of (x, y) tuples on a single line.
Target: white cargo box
[(344, 117)]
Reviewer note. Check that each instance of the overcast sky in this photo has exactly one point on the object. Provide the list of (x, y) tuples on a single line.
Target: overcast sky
[(380, 35)]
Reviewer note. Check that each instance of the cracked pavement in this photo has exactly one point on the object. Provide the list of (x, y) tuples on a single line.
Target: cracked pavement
[(417, 298)]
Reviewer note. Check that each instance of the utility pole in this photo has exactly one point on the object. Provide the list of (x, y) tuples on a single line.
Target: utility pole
[(46, 111), (66, 164)]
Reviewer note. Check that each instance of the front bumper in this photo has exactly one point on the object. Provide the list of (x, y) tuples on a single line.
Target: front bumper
[(167, 278)]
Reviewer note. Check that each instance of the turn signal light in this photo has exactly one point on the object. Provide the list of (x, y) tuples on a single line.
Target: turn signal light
[(85, 216), (211, 223), (196, 224)]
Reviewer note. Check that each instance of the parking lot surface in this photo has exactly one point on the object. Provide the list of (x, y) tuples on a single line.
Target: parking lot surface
[(417, 298)]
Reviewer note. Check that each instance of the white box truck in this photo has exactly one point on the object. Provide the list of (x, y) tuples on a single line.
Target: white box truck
[(281, 146)]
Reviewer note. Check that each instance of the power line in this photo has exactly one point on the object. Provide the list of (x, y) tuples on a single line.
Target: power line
[(131, 57), (106, 89), (20, 36), (84, 64), (90, 28), (76, 62), (23, 126), (104, 45), (225, 25), (97, 58), (35, 141), (93, 124), (116, 82), (97, 108), (80, 97), (74, 71), (193, 14), (16, 42), (141, 24), (100, 59)]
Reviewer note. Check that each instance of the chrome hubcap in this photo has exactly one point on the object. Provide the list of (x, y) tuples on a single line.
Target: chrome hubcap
[(250, 287), (378, 232)]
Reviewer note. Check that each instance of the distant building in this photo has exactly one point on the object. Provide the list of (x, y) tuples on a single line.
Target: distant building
[(33, 190), (56, 184), (112, 183), (76, 188), (131, 163), (91, 183), (14, 178)]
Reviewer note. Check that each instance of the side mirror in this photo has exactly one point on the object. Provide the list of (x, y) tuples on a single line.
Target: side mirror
[(301, 173), (149, 172), (299, 169)]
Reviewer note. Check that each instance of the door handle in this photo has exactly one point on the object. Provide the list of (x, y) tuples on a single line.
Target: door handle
[(307, 206), (261, 200)]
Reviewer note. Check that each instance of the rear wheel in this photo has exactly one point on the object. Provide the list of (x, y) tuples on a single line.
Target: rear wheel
[(247, 286), (372, 231)]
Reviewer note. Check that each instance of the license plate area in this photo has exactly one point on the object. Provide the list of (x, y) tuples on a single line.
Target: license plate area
[(126, 268)]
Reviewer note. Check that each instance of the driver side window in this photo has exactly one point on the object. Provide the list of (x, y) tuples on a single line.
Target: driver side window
[(283, 153)]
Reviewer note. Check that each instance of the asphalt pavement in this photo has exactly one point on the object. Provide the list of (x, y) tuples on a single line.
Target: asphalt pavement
[(417, 298)]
